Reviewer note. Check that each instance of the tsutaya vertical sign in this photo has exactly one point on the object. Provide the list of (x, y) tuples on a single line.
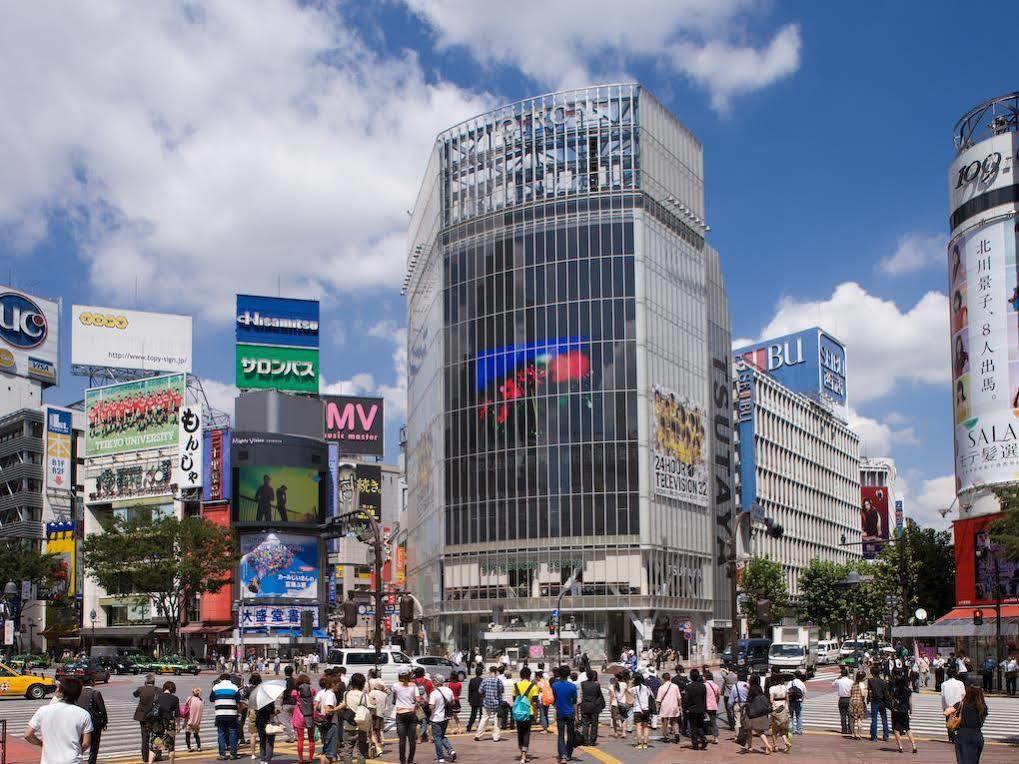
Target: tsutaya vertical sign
[(188, 467), (58, 448)]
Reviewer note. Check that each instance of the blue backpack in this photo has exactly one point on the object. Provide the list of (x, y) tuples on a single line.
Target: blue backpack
[(522, 705)]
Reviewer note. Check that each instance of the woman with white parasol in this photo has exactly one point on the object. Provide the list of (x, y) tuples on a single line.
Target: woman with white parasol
[(263, 702)]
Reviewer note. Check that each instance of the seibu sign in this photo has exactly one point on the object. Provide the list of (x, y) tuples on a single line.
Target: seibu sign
[(356, 423)]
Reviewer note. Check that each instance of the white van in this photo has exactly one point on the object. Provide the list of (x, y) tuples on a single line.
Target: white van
[(392, 663), (827, 651)]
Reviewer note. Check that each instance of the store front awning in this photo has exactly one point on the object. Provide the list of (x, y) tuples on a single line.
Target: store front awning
[(958, 622), (201, 628), (123, 632)]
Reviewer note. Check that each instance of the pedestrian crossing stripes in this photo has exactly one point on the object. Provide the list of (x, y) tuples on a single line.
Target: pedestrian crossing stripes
[(927, 720)]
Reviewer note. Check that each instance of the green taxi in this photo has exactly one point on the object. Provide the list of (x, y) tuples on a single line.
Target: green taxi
[(168, 664)]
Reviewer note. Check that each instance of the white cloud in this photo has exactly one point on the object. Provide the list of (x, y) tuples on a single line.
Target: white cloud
[(203, 149), (878, 438), (221, 396), (885, 345), (569, 43), (915, 252), (395, 393), (935, 494)]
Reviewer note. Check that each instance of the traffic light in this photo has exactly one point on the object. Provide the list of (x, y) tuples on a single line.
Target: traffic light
[(349, 618), (307, 623), (551, 628), (978, 617), (406, 609), (763, 611), (773, 528)]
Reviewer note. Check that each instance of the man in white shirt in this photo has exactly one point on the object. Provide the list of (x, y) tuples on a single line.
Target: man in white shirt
[(63, 730), (843, 686), (440, 700), (796, 692), (952, 692), (1011, 669)]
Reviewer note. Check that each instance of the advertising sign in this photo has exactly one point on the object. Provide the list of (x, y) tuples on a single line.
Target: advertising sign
[(400, 561), (978, 172), (745, 424), (369, 490), (279, 565), (58, 448), (282, 616), (277, 321), (29, 338), (130, 339), (873, 519), (270, 367), (356, 423), (216, 466), (900, 518), (9, 631), (975, 572), (278, 495), (60, 542), (133, 481), (188, 467), (133, 416), (680, 468), (810, 362)]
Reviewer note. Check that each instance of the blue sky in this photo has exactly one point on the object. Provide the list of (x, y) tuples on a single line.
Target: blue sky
[(184, 154)]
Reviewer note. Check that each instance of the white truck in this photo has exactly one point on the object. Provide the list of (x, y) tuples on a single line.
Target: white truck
[(794, 648)]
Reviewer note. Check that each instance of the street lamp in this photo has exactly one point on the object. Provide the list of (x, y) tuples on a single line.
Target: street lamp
[(93, 615), (985, 553)]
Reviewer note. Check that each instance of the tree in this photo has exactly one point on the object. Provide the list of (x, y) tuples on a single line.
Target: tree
[(917, 571), (20, 562), (1005, 531), (823, 594), (170, 561), (763, 579)]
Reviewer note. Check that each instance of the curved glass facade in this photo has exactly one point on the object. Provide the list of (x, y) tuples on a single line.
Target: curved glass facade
[(554, 279)]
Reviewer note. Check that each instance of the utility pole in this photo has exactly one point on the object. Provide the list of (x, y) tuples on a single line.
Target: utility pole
[(377, 549)]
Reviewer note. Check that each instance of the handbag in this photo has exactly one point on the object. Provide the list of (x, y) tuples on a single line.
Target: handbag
[(274, 728), (954, 721)]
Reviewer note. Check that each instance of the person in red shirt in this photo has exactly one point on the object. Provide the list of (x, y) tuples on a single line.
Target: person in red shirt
[(453, 712)]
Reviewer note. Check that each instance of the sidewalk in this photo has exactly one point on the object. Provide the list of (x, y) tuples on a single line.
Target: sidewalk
[(831, 748)]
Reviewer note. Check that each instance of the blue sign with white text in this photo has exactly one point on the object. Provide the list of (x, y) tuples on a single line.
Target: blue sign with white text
[(277, 321)]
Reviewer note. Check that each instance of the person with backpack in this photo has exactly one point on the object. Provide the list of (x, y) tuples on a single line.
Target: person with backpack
[(545, 699), (779, 696), (592, 703), (425, 687), (526, 699), (796, 691), (163, 722), (356, 716), (643, 709), (303, 717), (92, 701), (695, 704), (565, 694), (619, 705), (756, 716), (441, 701), (193, 708), (146, 695), (669, 708)]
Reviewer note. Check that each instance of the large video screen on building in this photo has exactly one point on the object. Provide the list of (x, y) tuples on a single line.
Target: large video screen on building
[(133, 416), (873, 519), (275, 495), (279, 565)]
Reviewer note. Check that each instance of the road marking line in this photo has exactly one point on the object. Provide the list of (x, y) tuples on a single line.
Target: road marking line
[(601, 755)]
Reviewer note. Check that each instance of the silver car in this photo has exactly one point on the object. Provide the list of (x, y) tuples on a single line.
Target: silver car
[(434, 664)]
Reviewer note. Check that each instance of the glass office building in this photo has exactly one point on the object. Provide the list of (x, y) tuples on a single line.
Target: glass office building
[(568, 410)]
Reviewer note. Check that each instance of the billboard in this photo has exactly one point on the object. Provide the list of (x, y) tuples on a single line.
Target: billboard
[(745, 424), (680, 467), (810, 362), (974, 574), (188, 467), (135, 480), (58, 449), (271, 367), (29, 336), (277, 321), (216, 465), (133, 416), (279, 566), (60, 542), (356, 423), (280, 616), (130, 339), (278, 495), (369, 489), (873, 519)]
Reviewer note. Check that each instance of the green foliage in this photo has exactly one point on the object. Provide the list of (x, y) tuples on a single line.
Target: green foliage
[(822, 595), (19, 561), (918, 570), (764, 579), (1005, 530), (168, 560)]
